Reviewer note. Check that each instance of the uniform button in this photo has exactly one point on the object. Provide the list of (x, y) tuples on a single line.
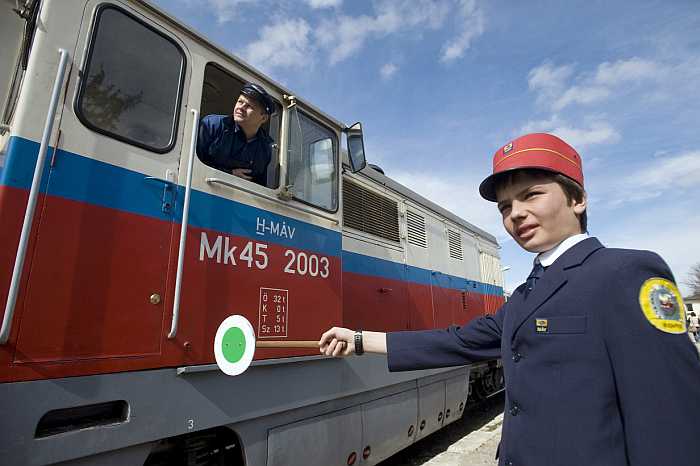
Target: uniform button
[(509, 463), (514, 410), (517, 357)]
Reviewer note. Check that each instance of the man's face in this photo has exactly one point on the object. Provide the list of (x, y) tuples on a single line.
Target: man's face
[(536, 213), (249, 113)]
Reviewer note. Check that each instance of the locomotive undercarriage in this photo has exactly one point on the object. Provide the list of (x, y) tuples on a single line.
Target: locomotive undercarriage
[(485, 381), (221, 446)]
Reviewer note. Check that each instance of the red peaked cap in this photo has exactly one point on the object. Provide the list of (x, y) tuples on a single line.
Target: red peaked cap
[(537, 150)]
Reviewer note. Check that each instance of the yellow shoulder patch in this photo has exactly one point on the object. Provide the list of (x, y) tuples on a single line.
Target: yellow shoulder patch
[(662, 305)]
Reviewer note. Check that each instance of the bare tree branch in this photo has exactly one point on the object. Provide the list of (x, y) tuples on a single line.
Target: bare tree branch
[(693, 280)]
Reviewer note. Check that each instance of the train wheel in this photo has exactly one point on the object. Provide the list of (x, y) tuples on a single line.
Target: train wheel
[(212, 447)]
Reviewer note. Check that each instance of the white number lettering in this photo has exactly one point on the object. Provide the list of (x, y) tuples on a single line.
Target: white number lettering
[(288, 268), (324, 270), (247, 254), (260, 252), (303, 264), (313, 265), (302, 269)]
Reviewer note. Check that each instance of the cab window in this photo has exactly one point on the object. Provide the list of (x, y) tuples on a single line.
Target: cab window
[(132, 82), (219, 94), (312, 167)]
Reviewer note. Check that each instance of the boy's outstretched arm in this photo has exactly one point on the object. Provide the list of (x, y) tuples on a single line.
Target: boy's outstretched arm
[(339, 341)]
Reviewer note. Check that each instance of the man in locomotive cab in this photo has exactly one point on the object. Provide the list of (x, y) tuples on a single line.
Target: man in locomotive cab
[(598, 367), (237, 143)]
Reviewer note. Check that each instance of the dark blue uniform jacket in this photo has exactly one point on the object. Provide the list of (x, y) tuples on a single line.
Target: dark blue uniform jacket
[(601, 387), (222, 144)]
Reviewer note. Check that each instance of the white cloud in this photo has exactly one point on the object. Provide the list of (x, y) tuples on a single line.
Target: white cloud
[(317, 4), (388, 70), (552, 83), (343, 35), (596, 132), (625, 71), (599, 132), (473, 25), (283, 44), (663, 176), (549, 81), (581, 95), (224, 10), (669, 173)]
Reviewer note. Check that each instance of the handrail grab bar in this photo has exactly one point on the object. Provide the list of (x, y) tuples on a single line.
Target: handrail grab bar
[(183, 228), (31, 203)]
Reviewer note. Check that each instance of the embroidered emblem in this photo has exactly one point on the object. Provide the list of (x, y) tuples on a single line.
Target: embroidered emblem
[(662, 305), (508, 147), (541, 325)]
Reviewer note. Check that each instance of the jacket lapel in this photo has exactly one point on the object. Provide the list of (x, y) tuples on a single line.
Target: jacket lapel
[(554, 279)]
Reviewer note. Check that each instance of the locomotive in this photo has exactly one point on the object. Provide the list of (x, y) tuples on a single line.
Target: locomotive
[(121, 253)]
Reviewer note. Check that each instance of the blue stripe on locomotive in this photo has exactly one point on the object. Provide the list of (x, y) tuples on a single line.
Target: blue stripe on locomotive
[(127, 190)]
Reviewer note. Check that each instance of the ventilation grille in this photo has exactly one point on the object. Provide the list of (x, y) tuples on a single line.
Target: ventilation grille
[(367, 211), (415, 224), (455, 240)]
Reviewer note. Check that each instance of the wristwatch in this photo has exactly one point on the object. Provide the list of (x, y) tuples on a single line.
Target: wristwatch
[(359, 350)]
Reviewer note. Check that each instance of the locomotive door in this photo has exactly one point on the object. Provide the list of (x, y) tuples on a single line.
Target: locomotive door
[(98, 272), (267, 250)]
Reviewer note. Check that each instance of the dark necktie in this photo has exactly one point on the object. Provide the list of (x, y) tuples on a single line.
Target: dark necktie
[(536, 274)]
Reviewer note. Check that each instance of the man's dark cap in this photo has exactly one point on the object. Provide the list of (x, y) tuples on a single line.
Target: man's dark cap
[(260, 95)]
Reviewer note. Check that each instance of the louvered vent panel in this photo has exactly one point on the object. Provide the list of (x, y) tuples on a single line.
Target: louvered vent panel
[(415, 224), (455, 240), (367, 211)]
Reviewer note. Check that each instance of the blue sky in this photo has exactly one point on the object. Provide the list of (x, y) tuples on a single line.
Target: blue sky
[(439, 85)]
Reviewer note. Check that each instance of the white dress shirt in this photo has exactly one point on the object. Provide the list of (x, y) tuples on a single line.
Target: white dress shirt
[(547, 258)]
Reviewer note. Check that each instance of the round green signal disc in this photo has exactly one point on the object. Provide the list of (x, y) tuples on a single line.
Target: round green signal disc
[(234, 345)]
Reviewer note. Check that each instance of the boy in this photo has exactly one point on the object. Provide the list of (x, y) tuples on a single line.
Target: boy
[(598, 370)]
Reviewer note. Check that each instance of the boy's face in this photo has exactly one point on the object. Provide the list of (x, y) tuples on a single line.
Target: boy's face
[(536, 212)]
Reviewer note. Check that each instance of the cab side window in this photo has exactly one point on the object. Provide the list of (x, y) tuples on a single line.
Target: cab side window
[(313, 166), (219, 94), (132, 82)]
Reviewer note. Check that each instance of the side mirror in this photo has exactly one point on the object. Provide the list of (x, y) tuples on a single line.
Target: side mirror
[(356, 147)]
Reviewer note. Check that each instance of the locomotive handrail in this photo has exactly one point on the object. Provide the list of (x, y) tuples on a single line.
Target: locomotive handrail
[(270, 198), (159, 180), (183, 228), (31, 202)]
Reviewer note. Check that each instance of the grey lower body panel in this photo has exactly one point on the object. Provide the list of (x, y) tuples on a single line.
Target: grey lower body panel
[(166, 402)]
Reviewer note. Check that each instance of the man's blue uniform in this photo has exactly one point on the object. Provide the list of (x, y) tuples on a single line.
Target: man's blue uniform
[(222, 144), (589, 380)]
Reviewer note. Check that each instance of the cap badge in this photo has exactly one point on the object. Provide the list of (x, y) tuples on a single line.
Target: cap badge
[(662, 305), (508, 147)]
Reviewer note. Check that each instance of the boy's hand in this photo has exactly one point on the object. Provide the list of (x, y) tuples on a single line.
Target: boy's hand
[(337, 341)]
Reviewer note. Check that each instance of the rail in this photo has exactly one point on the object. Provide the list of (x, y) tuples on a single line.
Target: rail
[(31, 203), (270, 198), (183, 228)]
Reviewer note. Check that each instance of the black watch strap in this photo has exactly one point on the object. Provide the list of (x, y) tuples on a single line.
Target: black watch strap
[(359, 349)]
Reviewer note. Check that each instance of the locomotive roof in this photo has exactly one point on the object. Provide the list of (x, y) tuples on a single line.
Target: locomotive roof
[(368, 171), (414, 196)]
